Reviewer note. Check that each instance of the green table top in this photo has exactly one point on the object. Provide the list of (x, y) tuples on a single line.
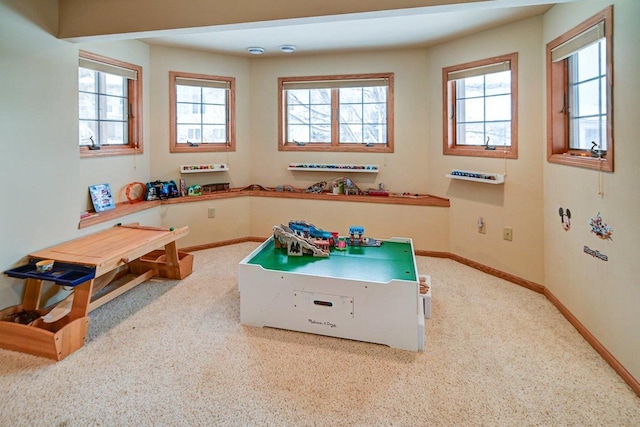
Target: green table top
[(391, 260)]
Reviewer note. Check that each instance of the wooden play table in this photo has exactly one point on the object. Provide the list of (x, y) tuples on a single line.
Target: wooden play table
[(93, 261)]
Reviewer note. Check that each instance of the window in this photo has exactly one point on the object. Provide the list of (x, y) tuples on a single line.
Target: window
[(201, 113), (480, 108), (336, 113), (579, 88), (109, 106)]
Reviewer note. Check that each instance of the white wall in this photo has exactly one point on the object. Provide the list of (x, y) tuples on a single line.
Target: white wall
[(39, 164), (603, 295), (517, 203)]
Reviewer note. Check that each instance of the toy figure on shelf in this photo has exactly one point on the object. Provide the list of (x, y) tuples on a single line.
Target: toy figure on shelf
[(194, 190), (317, 188)]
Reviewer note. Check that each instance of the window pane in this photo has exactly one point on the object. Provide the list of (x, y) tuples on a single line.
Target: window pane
[(113, 133), (499, 133), (214, 134), (498, 108), (585, 131), (113, 85), (297, 96), (321, 114), (88, 131), (586, 99), (350, 113), (87, 80), (350, 95), (112, 108), (188, 94), (298, 133), (188, 133), (471, 86), (374, 113), (187, 113), (214, 114), (588, 62), (321, 133), (471, 110), (375, 134), (498, 83), (87, 106), (350, 133), (374, 94), (320, 96), (298, 114), (470, 134), (212, 95)]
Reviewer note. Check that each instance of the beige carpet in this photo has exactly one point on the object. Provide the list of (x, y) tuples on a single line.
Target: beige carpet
[(174, 354)]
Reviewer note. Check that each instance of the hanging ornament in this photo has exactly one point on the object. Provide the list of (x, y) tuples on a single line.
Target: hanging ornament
[(600, 228)]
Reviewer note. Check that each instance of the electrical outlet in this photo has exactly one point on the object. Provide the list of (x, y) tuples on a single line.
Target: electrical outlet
[(212, 213), (507, 233)]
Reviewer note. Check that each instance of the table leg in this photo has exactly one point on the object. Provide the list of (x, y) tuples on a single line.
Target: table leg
[(32, 293), (171, 253), (81, 300)]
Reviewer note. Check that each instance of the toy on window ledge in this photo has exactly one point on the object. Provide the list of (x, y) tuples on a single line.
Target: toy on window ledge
[(93, 145), (596, 151)]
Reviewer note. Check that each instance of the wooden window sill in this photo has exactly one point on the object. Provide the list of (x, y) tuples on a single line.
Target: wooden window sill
[(126, 208)]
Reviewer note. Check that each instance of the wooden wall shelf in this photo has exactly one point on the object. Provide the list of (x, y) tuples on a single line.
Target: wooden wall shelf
[(125, 208)]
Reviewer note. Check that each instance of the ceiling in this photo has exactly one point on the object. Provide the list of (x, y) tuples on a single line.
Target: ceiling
[(404, 28)]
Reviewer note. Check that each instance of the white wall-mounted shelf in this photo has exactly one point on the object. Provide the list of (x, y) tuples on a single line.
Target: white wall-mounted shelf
[(486, 178), (321, 167), (216, 167)]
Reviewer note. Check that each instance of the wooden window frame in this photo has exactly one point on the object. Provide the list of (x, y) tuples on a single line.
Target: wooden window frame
[(449, 145), (335, 145), (230, 145), (558, 150), (135, 145)]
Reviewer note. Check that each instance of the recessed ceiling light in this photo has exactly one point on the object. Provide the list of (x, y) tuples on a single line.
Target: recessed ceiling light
[(287, 48), (256, 50)]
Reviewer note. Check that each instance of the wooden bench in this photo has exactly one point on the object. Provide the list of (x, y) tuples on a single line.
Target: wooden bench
[(128, 247)]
